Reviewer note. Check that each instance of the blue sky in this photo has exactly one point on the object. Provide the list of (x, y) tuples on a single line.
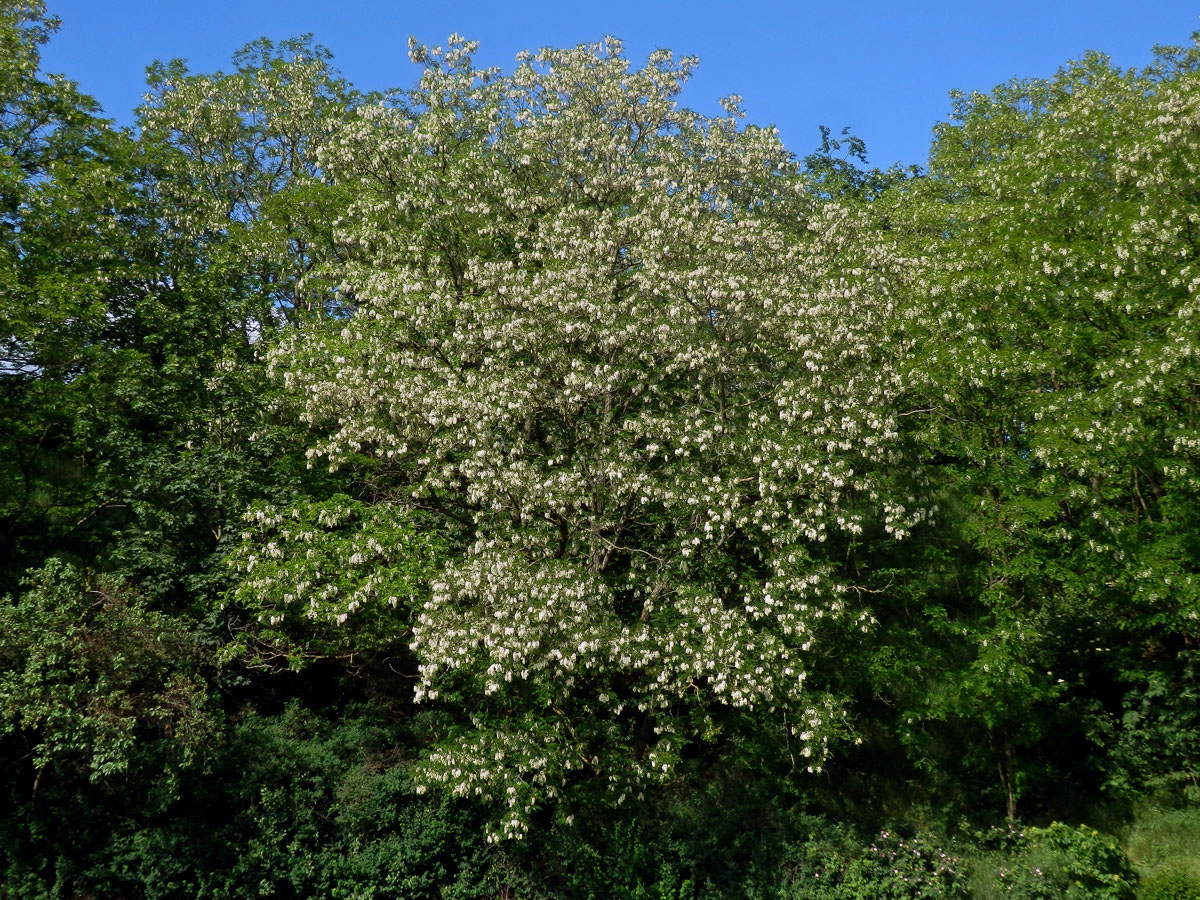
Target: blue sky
[(883, 68)]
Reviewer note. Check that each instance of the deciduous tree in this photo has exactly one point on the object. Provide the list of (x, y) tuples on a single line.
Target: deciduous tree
[(583, 339)]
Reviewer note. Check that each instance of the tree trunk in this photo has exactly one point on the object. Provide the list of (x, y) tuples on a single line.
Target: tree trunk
[(1007, 768)]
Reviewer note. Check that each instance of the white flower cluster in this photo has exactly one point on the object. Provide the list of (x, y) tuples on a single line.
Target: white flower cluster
[(331, 562)]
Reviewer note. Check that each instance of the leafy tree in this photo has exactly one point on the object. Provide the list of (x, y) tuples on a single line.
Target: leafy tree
[(136, 410), (331, 577), (245, 179), (45, 125), (40, 116), (89, 672), (838, 169), (637, 407), (1054, 262)]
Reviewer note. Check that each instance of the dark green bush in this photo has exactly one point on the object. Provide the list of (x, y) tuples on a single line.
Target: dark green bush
[(1060, 862), (834, 864), (1170, 884), (290, 805)]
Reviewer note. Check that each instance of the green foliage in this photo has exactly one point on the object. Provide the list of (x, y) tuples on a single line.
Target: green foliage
[(1051, 322), (837, 170), (627, 863), (47, 131), (304, 807), (1158, 744), (42, 118), (1170, 884), (92, 680), (135, 419), (242, 171), (331, 577), (289, 805), (833, 864), (723, 837), (1059, 861)]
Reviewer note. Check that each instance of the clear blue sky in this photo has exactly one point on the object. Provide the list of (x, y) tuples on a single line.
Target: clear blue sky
[(883, 68)]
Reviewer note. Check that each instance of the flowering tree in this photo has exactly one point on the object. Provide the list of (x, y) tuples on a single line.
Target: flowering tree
[(1056, 346), (587, 336)]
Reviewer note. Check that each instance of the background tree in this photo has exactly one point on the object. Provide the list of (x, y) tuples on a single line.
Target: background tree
[(136, 410), (46, 125), (1054, 335), (245, 176)]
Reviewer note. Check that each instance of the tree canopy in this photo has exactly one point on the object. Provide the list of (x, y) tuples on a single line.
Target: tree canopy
[(389, 477)]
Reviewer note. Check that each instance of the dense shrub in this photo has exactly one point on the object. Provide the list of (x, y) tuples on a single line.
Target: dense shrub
[(1170, 884), (833, 864), (1059, 861)]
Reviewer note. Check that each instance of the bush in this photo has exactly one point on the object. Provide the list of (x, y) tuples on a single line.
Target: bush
[(1061, 862), (289, 805), (834, 865), (1170, 884)]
